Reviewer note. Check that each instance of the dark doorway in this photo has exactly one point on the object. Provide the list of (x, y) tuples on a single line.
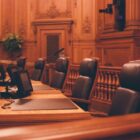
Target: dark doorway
[(52, 48)]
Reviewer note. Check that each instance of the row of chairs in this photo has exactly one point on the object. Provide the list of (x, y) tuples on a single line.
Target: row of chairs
[(127, 97), (58, 77), (38, 67), (59, 74)]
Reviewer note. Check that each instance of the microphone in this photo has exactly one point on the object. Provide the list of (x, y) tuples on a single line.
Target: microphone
[(59, 51)]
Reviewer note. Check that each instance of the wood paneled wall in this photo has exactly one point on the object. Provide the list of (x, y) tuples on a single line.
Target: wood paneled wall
[(17, 16), (118, 47), (92, 33)]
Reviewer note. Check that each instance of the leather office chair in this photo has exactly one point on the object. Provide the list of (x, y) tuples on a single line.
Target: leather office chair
[(59, 74), (84, 83), (11, 69), (127, 97), (21, 63), (38, 69)]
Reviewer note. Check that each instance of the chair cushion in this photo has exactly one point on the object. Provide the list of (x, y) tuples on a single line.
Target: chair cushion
[(36, 75), (124, 102), (82, 87), (57, 79), (130, 76)]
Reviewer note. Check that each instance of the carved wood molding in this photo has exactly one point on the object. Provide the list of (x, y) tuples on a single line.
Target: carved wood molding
[(86, 27), (40, 22), (53, 12), (6, 28), (68, 21), (131, 34), (60, 27), (22, 30)]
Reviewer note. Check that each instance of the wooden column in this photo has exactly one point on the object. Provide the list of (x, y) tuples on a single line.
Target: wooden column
[(114, 47), (132, 14)]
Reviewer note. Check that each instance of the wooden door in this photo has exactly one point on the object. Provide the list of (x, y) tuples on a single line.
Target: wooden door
[(52, 47)]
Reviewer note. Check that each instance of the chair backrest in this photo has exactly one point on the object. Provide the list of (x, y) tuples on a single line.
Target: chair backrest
[(130, 76), (87, 75), (127, 98), (38, 69), (11, 69), (21, 63), (59, 74)]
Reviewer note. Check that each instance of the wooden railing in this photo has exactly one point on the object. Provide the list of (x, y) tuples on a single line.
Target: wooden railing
[(106, 84), (72, 75)]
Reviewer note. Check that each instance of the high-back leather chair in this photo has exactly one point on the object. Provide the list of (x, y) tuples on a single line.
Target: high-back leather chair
[(82, 88), (38, 69), (127, 98), (21, 63), (59, 74)]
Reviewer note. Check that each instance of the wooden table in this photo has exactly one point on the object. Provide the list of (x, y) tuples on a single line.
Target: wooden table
[(126, 127), (73, 124), (9, 117)]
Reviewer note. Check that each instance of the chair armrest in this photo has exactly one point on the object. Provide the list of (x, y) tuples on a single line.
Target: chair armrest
[(98, 114), (80, 100), (68, 94)]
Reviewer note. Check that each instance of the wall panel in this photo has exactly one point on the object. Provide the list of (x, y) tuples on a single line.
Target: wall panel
[(92, 33), (23, 13), (7, 16), (116, 47)]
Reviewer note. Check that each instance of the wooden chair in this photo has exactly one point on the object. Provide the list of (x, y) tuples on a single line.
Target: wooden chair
[(85, 82)]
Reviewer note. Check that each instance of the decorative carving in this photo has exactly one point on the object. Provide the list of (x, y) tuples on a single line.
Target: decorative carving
[(34, 29), (86, 27), (6, 28), (22, 30), (53, 12)]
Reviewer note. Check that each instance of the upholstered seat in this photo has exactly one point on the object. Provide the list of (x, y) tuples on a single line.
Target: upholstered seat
[(38, 69), (124, 102), (128, 96), (83, 85), (59, 74)]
